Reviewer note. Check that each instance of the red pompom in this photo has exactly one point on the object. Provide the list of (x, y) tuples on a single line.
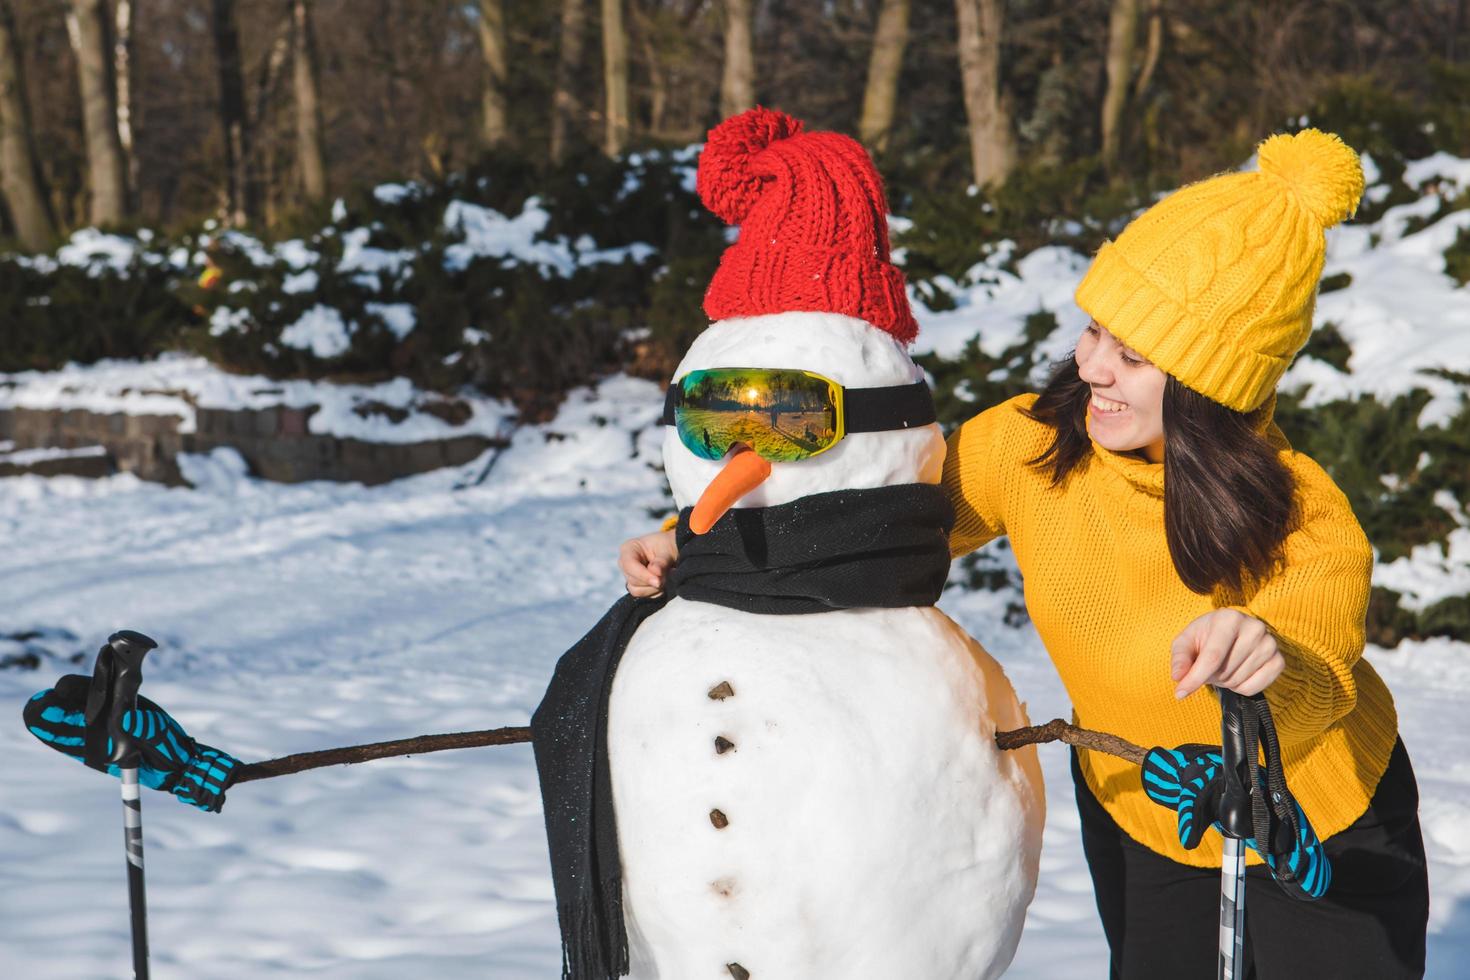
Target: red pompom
[(726, 183)]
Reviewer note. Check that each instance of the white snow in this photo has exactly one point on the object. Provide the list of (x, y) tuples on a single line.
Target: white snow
[(226, 320), (96, 251), (394, 193), (519, 240), (176, 384), (993, 303), (487, 232), (1451, 170), (320, 330), (246, 245), (296, 254), (1401, 315), (299, 617), (1430, 573), (399, 318), (358, 256), (300, 282), (26, 457)]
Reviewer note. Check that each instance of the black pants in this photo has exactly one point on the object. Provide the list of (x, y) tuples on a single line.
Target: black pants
[(1162, 918)]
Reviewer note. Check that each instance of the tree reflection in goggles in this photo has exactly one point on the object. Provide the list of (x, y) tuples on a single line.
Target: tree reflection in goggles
[(784, 414)]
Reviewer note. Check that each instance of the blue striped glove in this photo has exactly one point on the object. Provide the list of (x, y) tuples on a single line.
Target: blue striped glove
[(1189, 780), (170, 760)]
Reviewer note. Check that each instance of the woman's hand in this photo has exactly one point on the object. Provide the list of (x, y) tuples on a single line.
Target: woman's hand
[(1228, 649), (646, 560)]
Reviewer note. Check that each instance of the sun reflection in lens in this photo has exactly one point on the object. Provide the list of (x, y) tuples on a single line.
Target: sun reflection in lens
[(783, 415)]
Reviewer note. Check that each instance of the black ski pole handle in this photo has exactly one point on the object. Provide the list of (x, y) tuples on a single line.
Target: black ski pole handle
[(1235, 813), (123, 667)]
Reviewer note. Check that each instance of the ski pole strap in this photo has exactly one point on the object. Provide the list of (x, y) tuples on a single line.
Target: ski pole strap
[(1192, 779)]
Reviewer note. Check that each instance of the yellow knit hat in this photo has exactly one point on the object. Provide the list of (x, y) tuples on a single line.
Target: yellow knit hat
[(1216, 283)]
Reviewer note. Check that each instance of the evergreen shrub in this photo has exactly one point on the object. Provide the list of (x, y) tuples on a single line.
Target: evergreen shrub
[(1457, 257), (623, 245), (1391, 471), (51, 317), (1395, 127), (1040, 204), (518, 328)]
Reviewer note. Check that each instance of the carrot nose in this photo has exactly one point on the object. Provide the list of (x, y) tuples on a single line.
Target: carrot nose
[(742, 473)]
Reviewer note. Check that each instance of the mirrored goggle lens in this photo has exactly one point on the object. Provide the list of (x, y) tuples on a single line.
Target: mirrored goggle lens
[(782, 415)]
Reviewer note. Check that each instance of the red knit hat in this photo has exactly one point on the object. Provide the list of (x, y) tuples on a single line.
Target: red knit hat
[(813, 224)]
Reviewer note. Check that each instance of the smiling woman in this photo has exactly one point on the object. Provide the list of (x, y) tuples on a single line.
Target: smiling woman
[(1229, 561)]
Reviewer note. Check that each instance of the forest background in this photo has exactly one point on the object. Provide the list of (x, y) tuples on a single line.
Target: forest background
[(222, 140)]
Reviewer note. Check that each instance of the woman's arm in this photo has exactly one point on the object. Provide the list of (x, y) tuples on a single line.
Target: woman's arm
[(1313, 610), (975, 468)]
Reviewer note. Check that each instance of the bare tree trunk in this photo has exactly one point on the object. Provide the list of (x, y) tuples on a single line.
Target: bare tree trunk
[(311, 154), (262, 164), (1153, 48), (658, 78), (494, 122), (1122, 33), (615, 77), (122, 68), (241, 206), (565, 108), (737, 84), (20, 172), (890, 37), (90, 29), (992, 148)]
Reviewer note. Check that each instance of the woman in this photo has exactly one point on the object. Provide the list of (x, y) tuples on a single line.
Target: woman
[(1248, 573)]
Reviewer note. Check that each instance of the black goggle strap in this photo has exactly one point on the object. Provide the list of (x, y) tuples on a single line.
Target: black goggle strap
[(865, 409)]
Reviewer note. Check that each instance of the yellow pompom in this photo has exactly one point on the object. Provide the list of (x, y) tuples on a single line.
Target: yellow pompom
[(1322, 171)]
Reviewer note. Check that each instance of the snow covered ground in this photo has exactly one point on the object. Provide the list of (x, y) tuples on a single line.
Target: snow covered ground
[(302, 617)]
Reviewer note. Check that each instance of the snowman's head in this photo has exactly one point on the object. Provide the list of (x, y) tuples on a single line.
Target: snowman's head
[(813, 238), (845, 349)]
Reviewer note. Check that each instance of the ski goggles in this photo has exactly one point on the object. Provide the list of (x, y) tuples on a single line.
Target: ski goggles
[(784, 414)]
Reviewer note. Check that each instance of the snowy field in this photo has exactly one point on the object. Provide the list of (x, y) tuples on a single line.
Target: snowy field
[(295, 618), (302, 617)]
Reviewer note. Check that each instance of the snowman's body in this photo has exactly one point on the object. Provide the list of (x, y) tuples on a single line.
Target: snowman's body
[(855, 818)]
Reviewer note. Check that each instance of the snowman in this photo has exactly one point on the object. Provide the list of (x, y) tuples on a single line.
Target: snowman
[(803, 796)]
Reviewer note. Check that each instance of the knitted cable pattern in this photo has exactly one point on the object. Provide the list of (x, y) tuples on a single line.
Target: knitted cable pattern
[(813, 225), (1216, 284)]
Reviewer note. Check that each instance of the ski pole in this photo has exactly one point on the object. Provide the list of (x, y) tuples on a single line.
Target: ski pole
[(125, 651), (1236, 822)]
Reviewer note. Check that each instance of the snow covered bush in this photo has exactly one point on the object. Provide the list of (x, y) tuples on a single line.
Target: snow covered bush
[(102, 299), (514, 281), (517, 283)]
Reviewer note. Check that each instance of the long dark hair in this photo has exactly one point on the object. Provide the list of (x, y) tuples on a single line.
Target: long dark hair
[(1229, 500)]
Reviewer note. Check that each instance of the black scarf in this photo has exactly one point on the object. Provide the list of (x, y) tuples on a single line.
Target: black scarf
[(885, 547)]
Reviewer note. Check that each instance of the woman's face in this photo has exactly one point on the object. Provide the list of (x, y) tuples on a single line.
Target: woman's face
[(1127, 407)]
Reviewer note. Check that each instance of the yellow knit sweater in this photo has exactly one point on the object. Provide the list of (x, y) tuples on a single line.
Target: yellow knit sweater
[(1107, 602)]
